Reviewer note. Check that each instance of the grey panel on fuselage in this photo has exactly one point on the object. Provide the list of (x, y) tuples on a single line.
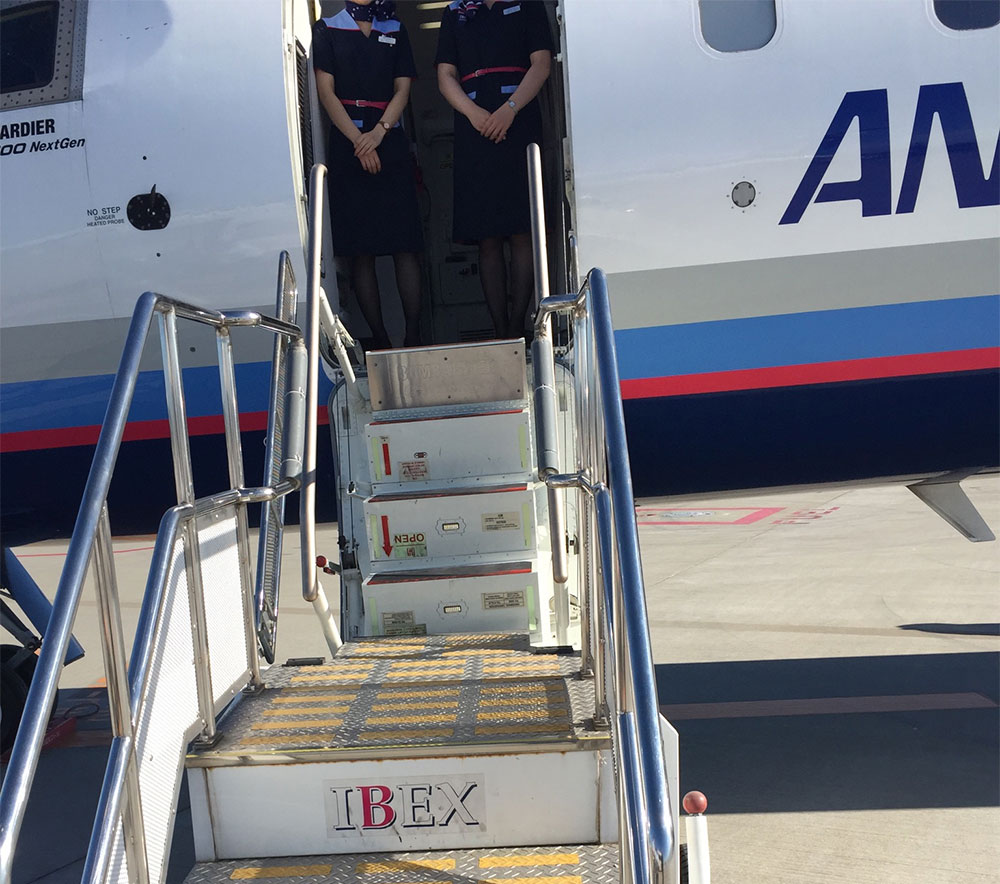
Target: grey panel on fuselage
[(94, 347), (804, 283)]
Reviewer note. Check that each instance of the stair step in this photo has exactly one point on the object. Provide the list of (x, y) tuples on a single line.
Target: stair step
[(473, 691), (440, 449), (491, 597), (554, 864), (419, 743), (453, 523)]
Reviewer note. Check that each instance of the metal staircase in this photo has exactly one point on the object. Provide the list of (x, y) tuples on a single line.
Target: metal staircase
[(492, 713)]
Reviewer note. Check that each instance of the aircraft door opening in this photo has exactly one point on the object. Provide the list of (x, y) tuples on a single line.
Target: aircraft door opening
[(453, 307)]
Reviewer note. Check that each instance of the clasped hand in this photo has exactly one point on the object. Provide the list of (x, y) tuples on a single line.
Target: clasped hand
[(366, 149), (494, 125)]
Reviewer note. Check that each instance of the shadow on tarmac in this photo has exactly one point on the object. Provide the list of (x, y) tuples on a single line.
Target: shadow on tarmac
[(760, 763)]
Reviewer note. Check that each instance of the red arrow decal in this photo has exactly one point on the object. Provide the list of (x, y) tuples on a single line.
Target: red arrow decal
[(385, 458), (385, 536)]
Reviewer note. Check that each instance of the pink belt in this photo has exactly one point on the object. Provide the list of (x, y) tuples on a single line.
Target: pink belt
[(481, 71), (359, 102)]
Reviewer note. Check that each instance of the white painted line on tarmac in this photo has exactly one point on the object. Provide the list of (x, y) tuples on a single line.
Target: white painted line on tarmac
[(826, 706)]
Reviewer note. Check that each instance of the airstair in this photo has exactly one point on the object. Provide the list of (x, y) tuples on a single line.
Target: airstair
[(487, 712)]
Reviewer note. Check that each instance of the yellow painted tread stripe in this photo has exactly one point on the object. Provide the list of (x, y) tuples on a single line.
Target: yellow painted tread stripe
[(527, 688), (524, 701), (285, 741), (301, 696), (550, 879), (246, 874), (403, 865), (304, 710), (406, 735), (409, 719), (429, 704), (552, 728), (443, 692), (287, 725), (541, 859), (551, 714)]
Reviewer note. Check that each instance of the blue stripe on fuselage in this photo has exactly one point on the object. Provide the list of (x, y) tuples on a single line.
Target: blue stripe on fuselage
[(804, 338)]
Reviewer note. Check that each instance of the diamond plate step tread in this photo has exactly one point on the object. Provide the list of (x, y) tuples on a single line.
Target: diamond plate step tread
[(407, 692), (561, 864)]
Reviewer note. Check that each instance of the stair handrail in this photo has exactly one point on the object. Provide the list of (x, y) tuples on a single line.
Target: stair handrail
[(607, 479), (91, 526), (312, 589)]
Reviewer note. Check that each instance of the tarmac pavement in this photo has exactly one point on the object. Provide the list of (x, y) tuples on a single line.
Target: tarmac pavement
[(829, 657)]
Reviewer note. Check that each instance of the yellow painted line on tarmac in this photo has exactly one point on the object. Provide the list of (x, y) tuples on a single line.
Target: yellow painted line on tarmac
[(488, 729), (403, 865), (408, 734), (428, 704), (247, 874), (409, 719), (540, 859), (413, 692), (296, 725)]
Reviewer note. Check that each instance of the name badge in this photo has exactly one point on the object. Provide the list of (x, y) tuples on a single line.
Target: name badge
[(382, 38), (511, 9)]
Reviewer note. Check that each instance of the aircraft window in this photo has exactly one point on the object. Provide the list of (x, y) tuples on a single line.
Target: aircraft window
[(41, 51), (967, 15), (737, 25)]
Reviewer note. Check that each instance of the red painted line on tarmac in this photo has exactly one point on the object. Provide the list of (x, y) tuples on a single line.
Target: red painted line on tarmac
[(825, 706), (755, 514), (813, 373)]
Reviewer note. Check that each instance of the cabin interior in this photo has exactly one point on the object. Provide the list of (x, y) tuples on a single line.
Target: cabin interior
[(453, 306)]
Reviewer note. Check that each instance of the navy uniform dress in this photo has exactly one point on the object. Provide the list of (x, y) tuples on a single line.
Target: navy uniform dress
[(491, 50), (372, 214)]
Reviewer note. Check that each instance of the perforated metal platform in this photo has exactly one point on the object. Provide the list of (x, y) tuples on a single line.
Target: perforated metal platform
[(405, 692), (584, 864)]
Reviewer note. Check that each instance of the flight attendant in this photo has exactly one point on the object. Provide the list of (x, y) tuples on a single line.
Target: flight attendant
[(364, 66), (493, 57)]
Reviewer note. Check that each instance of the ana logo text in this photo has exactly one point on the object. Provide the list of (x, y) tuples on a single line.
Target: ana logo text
[(946, 101)]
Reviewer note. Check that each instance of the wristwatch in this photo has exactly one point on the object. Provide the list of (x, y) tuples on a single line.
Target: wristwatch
[(384, 125), (512, 104)]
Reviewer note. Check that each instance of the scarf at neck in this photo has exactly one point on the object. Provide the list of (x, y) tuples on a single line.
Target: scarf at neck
[(379, 9)]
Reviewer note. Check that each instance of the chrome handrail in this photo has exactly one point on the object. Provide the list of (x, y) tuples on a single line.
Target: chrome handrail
[(41, 694), (122, 753), (312, 590), (621, 637)]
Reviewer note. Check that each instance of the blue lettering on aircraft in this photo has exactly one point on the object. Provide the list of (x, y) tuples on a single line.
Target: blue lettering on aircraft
[(874, 188)]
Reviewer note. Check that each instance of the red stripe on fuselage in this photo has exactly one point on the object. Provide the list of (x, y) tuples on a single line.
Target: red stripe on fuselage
[(813, 373), (67, 437)]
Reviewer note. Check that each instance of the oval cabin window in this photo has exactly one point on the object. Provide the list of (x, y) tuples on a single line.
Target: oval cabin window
[(967, 15), (737, 25)]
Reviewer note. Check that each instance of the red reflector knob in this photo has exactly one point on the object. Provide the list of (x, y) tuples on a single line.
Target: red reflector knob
[(320, 561), (695, 802)]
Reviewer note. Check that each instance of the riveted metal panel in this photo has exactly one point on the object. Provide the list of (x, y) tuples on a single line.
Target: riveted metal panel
[(492, 371)]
